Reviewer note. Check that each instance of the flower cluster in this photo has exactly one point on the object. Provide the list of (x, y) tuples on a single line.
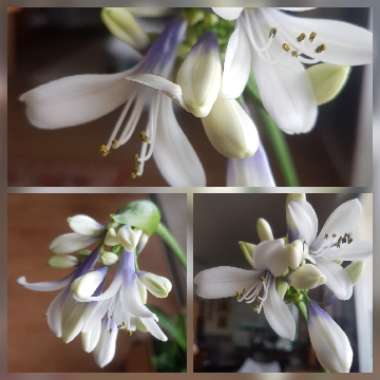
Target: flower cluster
[(86, 305), (202, 60), (284, 270)]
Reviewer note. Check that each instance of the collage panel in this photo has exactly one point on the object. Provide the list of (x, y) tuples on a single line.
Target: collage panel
[(103, 273), (189, 97), (283, 282)]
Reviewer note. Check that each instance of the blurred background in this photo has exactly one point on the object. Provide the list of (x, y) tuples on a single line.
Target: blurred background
[(229, 336), (45, 44), (34, 220)]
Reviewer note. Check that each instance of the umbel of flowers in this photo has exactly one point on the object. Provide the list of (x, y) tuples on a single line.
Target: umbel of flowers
[(284, 270), (206, 62), (93, 303)]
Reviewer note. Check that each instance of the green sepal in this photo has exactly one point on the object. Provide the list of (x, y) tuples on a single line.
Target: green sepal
[(142, 214)]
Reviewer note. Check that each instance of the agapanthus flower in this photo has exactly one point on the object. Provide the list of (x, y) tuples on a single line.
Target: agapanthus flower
[(85, 305), (284, 270), (276, 47), (337, 241)]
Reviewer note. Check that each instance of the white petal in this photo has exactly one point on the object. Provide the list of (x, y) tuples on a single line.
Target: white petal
[(169, 88), (345, 219), (106, 348), (297, 9), (47, 286), (358, 250), (287, 94), (346, 44), (270, 254), (252, 171), (110, 292), (75, 100), (228, 13), (224, 281), (337, 279), (154, 329), (330, 343), (237, 64), (278, 314), (85, 225), (283, 83), (175, 157), (133, 302), (70, 243), (91, 336), (54, 314), (302, 221)]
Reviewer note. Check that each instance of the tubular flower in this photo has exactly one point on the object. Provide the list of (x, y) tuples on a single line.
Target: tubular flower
[(336, 242), (275, 46), (79, 99), (83, 306)]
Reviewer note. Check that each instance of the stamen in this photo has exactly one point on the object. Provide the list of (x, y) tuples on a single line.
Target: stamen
[(286, 47), (321, 48), (312, 36), (144, 137), (272, 32), (295, 54), (301, 37), (104, 150), (134, 174)]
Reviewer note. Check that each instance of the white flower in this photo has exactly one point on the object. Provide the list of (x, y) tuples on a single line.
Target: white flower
[(330, 343), (80, 99), (274, 46), (337, 241), (257, 285)]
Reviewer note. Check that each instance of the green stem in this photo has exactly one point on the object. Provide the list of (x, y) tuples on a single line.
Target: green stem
[(172, 243), (276, 137)]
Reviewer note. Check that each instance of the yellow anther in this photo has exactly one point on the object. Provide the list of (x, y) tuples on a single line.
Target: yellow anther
[(295, 53), (286, 47), (144, 137), (272, 32), (321, 48), (301, 37), (134, 174), (312, 36), (130, 332), (104, 150), (136, 157)]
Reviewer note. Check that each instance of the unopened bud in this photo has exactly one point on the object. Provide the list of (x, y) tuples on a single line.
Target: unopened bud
[(327, 80), (307, 276), (295, 197), (248, 250), (230, 129), (63, 262), (282, 287), (295, 254), (123, 25), (109, 258), (85, 286), (159, 286), (129, 237), (264, 230), (200, 76)]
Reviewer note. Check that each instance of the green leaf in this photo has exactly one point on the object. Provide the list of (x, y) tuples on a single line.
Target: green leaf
[(142, 214)]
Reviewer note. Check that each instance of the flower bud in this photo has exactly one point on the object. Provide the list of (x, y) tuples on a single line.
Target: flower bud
[(111, 238), (85, 286), (307, 276), (129, 237), (354, 271), (159, 286), (109, 258), (264, 230), (248, 250), (142, 243), (327, 80), (295, 254), (230, 129), (200, 76), (123, 25), (85, 225), (295, 197), (330, 343), (282, 287), (63, 262)]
